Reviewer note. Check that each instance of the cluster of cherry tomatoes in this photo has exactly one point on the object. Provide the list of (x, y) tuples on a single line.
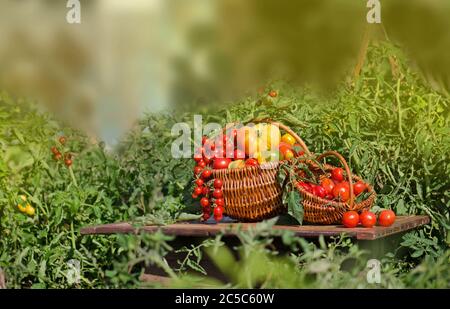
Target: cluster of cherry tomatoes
[(68, 160), (368, 219), (334, 188), (211, 197)]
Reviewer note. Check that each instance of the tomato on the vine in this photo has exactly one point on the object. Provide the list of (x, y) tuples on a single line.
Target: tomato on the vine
[(54, 150), (205, 191), (201, 163), (62, 140), (218, 213), (386, 218), (57, 156), (194, 196), (273, 94), (220, 202), (199, 182), (197, 170), (217, 193), (68, 162), (368, 219), (206, 174), (204, 202), (218, 183), (350, 219), (198, 190), (337, 174)]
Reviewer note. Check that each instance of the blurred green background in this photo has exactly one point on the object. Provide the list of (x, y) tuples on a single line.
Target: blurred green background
[(129, 56)]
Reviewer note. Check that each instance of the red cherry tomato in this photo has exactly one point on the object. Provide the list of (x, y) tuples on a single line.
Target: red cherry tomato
[(306, 186), (218, 213), (350, 219), (62, 140), (57, 156), (194, 196), (328, 185), (68, 162), (220, 202), (341, 191), (206, 174), (54, 150), (221, 163), (206, 216), (386, 218), (217, 193), (359, 187), (197, 170), (205, 191), (198, 190), (204, 202), (251, 162), (199, 182), (273, 93), (218, 183), (319, 191), (337, 174), (201, 163), (368, 219)]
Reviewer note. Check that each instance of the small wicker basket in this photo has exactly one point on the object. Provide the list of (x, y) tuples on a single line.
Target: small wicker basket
[(322, 211)]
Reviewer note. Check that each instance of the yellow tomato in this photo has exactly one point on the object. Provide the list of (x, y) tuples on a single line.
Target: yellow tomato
[(268, 136), (287, 138), (23, 198), (288, 154), (246, 139), (21, 208), (30, 210), (237, 164)]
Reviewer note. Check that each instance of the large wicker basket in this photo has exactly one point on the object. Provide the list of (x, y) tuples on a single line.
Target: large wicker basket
[(322, 211), (253, 193)]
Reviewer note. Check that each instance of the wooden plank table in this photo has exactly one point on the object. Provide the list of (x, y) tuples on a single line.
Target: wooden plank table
[(376, 241), (402, 224)]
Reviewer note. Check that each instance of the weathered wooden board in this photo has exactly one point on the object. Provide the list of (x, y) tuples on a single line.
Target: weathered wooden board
[(403, 223)]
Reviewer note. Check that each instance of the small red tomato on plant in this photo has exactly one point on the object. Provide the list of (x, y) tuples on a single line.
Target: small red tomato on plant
[(359, 187), (62, 140), (201, 163), (206, 174), (206, 216), (57, 156), (199, 182), (198, 190), (205, 191), (337, 174), (194, 196), (68, 162), (197, 170), (367, 219), (218, 183), (220, 202), (54, 150), (217, 193), (273, 94), (386, 218), (204, 202), (350, 219), (218, 213)]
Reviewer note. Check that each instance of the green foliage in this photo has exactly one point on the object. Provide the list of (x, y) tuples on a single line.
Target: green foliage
[(393, 129)]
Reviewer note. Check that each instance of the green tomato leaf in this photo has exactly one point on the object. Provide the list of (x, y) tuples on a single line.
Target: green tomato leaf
[(295, 207)]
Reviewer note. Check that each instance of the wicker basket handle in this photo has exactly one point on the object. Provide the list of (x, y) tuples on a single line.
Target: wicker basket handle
[(347, 170), (288, 130)]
